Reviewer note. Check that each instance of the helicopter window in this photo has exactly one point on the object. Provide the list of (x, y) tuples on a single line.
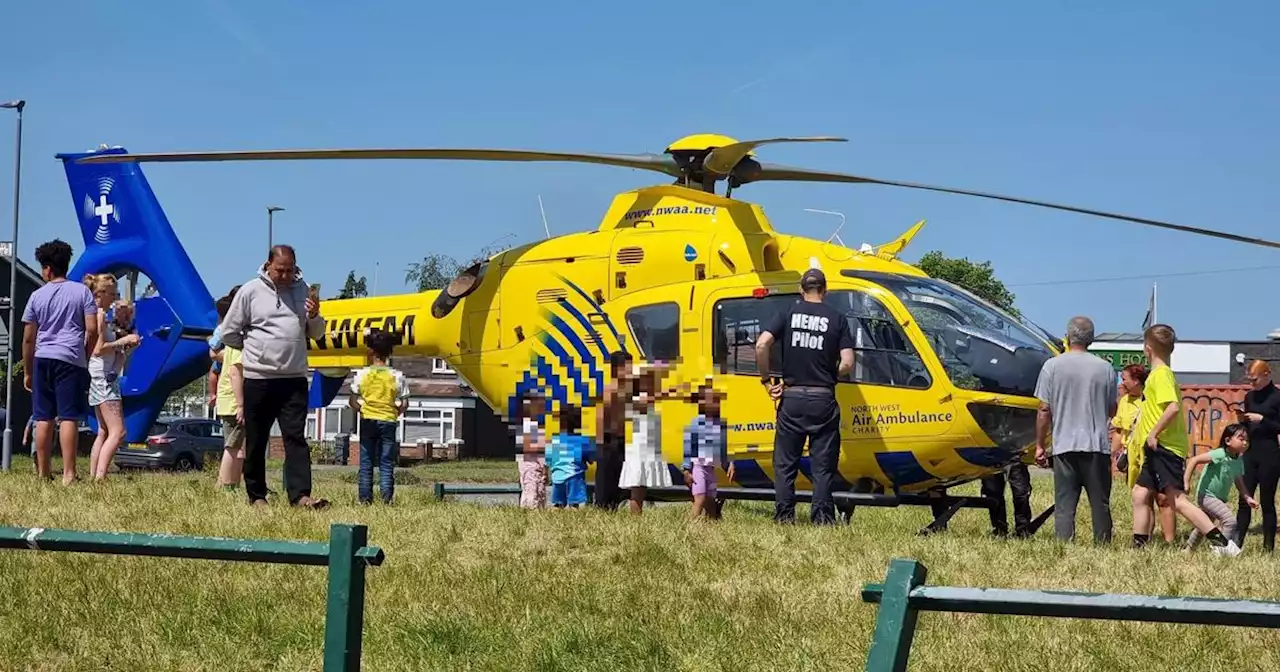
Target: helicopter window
[(737, 326), (980, 346), (882, 356), (882, 353), (656, 330)]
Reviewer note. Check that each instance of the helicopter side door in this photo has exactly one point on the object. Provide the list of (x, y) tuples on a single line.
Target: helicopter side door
[(891, 403)]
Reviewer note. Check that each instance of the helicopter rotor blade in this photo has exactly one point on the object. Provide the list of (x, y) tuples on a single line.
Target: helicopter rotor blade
[(721, 160), (655, 162), (768, 172)]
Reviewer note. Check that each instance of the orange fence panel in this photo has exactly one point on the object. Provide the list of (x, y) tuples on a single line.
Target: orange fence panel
[(1207, 409)]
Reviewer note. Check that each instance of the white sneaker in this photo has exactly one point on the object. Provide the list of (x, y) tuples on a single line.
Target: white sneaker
[(1230, 550)]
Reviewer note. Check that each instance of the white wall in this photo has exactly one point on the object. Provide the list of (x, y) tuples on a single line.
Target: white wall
[(1187, 357)]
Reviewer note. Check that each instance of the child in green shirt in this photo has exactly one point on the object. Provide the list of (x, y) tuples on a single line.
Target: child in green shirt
[(1223, 467)]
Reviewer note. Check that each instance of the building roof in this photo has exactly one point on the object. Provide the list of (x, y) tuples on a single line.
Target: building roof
[(1117, 336), (1126, 337), (28, 272), (422, 380)]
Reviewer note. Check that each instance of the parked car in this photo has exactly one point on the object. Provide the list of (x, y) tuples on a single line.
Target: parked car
[(181, 444), (85, 436)]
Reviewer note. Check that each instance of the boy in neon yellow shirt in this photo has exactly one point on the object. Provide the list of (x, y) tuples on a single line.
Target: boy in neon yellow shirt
[(380, 395), (1161, 432)]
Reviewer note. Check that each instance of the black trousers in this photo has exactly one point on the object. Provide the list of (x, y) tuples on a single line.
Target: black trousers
[(1019, 479), (1261, 475), (812, 416), (266, 402), (608, 472)]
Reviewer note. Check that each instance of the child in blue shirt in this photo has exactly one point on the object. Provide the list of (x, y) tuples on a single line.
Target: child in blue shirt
[(567, 456), (706, 446)]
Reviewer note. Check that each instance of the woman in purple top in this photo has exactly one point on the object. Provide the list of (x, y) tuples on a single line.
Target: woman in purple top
[(60, 319)]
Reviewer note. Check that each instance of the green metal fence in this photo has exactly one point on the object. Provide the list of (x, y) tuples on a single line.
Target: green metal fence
[(347, 555), (903, 596)]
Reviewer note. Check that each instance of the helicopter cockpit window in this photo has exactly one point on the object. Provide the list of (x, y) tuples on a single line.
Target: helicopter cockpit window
[(656, 330), (882, 353), (882, 356), (981, 347)]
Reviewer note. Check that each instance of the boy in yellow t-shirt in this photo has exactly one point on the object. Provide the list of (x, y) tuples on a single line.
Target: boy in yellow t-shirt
[(380, 395), (1161, 433)]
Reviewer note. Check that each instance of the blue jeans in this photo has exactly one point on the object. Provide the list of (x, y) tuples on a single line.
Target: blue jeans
[(378, 445)]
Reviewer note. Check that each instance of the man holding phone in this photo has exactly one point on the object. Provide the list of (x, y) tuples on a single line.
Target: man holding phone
[(270, 320)]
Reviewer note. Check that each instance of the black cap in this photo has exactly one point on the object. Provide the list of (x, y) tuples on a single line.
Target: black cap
[(813, 279)]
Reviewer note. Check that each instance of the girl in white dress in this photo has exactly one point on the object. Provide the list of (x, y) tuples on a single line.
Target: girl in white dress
[(106, 361), (644, 466)]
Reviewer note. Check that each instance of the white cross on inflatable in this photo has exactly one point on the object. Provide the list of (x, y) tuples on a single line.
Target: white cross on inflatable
[(103, 209)]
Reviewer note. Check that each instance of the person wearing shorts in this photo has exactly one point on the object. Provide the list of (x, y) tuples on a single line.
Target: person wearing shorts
[(60, 319), (1161, 431), (567, 456), (229, 401), (705, 447)]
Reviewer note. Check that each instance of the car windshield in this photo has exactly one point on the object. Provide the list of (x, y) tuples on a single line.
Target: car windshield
[(981, 347)]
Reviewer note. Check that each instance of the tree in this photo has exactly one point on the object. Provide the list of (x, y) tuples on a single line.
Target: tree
[(436, 271), (979, 278), (190, 400), (354, 288)]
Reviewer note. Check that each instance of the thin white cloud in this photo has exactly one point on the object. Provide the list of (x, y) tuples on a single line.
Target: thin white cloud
[(789, 66), (227, 19)]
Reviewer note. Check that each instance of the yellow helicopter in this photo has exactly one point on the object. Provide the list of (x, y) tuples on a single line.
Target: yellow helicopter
[(942, 388)]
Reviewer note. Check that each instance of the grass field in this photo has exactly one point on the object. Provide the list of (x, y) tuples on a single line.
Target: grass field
[(470, 587)]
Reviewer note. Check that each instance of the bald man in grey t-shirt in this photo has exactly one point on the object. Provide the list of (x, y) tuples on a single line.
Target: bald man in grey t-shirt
[(1077, 393)]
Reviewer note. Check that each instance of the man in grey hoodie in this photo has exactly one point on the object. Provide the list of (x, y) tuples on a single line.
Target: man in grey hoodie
[(270, 320)]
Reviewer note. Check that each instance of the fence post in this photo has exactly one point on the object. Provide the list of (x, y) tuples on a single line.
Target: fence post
[(439, 490), (896, 620), (344, 615)]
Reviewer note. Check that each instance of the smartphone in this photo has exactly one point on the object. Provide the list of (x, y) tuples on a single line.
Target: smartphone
[(314, 292)]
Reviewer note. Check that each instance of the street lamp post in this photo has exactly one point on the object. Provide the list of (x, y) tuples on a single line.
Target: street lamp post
[(271, 210), (7, 455)]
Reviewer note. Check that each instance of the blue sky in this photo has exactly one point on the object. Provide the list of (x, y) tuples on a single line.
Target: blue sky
[(1164, 110)]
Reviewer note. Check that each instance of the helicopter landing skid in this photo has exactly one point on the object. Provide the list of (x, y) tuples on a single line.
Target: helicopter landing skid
[(1039, 521), (845, 502)]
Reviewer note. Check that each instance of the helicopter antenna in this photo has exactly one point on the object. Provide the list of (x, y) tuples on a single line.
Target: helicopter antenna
[(544, 217), (835, 235)]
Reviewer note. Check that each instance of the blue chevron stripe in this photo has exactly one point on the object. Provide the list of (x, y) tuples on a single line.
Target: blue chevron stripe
[(586, 327), (748, 474), (548, 374), (607, 321), (596, 374), (903, 468), (567, 362), (528, 382)]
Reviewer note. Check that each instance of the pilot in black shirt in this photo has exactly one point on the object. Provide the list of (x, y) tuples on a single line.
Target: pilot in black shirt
[(812, 335), (816, 348)]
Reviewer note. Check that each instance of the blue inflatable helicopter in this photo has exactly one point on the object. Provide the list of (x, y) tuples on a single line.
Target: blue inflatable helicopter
[(126, 233)]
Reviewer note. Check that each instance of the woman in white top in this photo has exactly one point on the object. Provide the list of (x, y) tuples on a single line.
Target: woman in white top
[(644, 466), (106, 361)]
